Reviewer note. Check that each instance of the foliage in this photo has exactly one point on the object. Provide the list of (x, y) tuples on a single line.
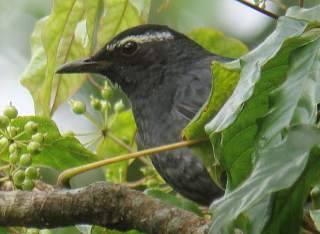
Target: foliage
[(264, 133)]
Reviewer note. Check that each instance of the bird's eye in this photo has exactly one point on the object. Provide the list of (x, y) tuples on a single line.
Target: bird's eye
[(129, 48)]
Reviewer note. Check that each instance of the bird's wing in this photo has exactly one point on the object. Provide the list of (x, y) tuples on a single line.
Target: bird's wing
[(192, 92)]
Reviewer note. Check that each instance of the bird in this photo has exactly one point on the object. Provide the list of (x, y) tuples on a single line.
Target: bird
[(167, 79)]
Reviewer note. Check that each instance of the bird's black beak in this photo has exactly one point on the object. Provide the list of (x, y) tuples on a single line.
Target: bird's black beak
[(94, 64)]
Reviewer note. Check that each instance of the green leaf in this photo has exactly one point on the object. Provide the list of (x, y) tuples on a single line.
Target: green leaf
[(57, 152), (73, 30), (180, 202), (53, 43), (286, 162), (123, 128), (218, 43), (119, 15), (287, 212), (315, 215)]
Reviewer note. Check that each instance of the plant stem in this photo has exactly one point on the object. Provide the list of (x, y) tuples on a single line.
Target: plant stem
[(263, 11), (5, 167), (92, 120), (119, 142), (64, 177)]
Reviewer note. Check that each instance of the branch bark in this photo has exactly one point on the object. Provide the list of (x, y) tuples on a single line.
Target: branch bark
[(108, 205)]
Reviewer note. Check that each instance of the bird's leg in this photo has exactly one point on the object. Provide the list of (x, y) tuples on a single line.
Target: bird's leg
[(65, 176)]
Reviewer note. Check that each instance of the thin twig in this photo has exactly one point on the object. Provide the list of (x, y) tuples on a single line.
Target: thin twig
[(64, 177), (263, 11), (301, 3)]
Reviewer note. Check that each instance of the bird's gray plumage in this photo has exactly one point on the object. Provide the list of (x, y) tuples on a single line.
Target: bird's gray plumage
[(167, 79)]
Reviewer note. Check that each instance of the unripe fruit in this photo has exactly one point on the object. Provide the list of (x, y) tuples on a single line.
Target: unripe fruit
[(14, 158), (38, 137), (13, 148), (18, 178), (33, 147), (106, 92), (25, 160), (95, 103), (119, 106), (11, 112), (4, 121), (78, 107), (31, 127), (13, 131), (27, 184), (4, 142), (32, 173)]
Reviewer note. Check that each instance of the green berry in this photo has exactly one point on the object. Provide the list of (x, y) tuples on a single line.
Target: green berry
[(14, 158), (38, 137), (33, 147), (13, 148), (95, 103), (78, 107), (25, 160), (4, 121), (32, 173), (27, 184), (106, 92), (31, 127), (11, 112), (18, 178), (4, 142), (12, 131), (119, 106)]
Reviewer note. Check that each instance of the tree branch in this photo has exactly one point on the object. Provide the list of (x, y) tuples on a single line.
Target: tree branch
[(112, 206)]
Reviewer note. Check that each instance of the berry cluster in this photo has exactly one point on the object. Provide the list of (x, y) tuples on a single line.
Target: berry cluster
[(101, 105), (20, 149)]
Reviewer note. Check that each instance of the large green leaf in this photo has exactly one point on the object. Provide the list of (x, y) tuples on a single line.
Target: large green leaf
[(278, 168), (218, 43), (253, 138), (52, 44), (73, 30), (57, 152), (235, 128)]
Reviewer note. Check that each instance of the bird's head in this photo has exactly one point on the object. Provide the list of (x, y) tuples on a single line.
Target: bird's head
[(139, 55)]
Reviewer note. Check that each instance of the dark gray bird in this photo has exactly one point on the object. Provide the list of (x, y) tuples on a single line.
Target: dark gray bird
[(167, 79)]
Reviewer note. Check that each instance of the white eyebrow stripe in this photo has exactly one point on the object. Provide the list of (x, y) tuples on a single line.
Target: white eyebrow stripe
[(148, 37)]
